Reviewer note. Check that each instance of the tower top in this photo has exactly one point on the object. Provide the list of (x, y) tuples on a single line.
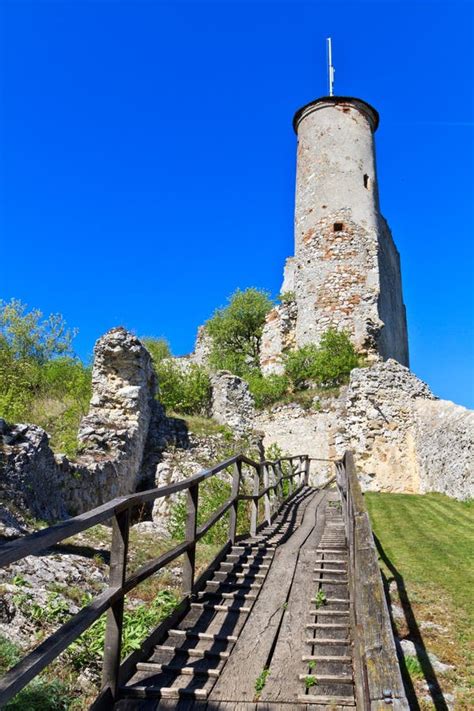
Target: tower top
[(341, 103)]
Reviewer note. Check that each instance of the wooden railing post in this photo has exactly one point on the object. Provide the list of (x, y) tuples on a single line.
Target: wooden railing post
[(191, 525), (266, 497), (235, 493), (307, 465), (254, 507), (113, 631), (290, 481)]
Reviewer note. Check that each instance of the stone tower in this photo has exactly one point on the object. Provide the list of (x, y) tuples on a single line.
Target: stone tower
[(346, 269)]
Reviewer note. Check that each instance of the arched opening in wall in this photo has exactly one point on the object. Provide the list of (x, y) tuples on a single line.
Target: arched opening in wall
[(366, 182), (338, 227)]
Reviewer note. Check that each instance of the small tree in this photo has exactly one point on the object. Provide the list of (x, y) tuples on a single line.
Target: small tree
[(300, 365), (335, 359), (326, 365), (236, 331)]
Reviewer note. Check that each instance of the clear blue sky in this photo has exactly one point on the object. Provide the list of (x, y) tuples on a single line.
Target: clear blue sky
[(147, 158)]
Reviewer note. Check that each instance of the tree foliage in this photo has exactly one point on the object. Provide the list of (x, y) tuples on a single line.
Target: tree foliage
[(41, 381), (326, 365), (236, 331), (183, 388)]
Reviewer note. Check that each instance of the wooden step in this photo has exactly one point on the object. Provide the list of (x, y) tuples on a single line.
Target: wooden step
[(236, 595), (323, 641), (336, 613), (248, 586), (328, 678), (318, 658), (192, 652), (326, 700), (325, 626), (204, 635), (330, 570), (246, 566), (332, 560), (156, 668), (239, 556), (162, 692), (328, 550), (331, 581), (219, 608)]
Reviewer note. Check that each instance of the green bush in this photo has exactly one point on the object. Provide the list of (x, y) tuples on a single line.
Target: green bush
[(158, 348), (184, 389), (267, 390), (236, 331), (88, 649), (300, 366), (41, 382), (335, 360), (326, 365)]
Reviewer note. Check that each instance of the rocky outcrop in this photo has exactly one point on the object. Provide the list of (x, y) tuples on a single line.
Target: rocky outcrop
[(403, 438), (31, 478), (112, 436), (278, 337), (121, 407), (232, 403), (300, 431), (202, 347)]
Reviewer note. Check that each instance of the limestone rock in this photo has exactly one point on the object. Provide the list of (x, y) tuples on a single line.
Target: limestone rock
[(278, 337), (232, 403), (202, 347), (403, 438)]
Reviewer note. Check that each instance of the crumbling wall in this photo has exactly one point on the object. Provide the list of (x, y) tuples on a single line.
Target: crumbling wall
[(392, 341), (278, 337), (232, 403), (112, 437), (336, 281), (404, 439)]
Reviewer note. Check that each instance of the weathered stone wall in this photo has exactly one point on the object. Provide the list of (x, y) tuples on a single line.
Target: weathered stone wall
[(232, 403), (404, 439), (112, 436), (297, 431), (346, 271), (393, 339), (278, 337)]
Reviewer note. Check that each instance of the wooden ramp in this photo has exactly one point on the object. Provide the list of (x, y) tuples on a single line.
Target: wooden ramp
[(278, 602)]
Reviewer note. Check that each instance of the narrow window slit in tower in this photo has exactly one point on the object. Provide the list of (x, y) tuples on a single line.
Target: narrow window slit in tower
[(366, 182), (338, 227)]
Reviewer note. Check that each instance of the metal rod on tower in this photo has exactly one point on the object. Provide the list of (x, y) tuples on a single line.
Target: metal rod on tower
[(331, 71)]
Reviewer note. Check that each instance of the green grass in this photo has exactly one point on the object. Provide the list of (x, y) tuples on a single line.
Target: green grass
[(428, 546)]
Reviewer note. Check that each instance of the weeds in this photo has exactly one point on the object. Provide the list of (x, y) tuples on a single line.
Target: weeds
[(320, 599), (310, 680), (260, 681)]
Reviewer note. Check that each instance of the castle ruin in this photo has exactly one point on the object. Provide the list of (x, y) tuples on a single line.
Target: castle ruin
[(346, 270)]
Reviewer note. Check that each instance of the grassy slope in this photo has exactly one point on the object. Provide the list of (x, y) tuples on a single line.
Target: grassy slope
[(427, 545)]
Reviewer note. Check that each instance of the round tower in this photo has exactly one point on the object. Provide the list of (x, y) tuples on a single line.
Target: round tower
[(336, 163), (346, 270)]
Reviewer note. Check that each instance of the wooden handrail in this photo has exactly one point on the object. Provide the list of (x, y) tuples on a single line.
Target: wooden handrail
[(112, 599), (376, 669)]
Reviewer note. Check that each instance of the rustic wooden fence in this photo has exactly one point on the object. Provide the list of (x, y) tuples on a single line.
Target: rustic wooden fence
[(378, 680), (268, 480)]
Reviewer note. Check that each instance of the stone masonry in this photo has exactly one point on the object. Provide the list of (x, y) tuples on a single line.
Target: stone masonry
[(346, 270)]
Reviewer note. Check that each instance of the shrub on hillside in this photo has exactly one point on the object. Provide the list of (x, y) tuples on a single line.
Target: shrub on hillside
[(183, 388), (267, 390), (236, 331), (41, 382), (326, 365)]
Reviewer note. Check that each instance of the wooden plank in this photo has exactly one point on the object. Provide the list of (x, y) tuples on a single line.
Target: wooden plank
[(113, 630), (253, 648), (190, 536), (286, 662)]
